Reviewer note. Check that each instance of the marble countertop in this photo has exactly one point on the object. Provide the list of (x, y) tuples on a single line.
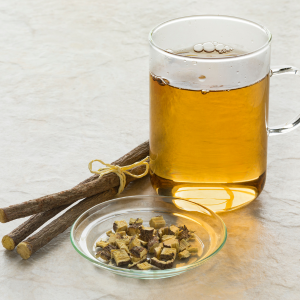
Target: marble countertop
[(74, 87)]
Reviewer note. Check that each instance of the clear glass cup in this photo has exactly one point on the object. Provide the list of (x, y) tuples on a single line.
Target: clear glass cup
[(209, 95)]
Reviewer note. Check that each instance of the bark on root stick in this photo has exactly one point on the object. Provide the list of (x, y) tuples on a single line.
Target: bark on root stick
[(87, 188), (11, 240), (34, 222), (59, 225)]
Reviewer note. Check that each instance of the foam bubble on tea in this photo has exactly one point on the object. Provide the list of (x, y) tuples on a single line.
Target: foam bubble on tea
[(207, 49)]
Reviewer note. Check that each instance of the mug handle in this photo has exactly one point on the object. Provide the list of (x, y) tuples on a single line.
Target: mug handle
[(289, 126)]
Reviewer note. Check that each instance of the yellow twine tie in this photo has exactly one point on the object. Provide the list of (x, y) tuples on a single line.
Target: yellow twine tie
[(120, 171)]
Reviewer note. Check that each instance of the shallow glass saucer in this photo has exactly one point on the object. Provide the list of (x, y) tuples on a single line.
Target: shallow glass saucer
[(92, 225)]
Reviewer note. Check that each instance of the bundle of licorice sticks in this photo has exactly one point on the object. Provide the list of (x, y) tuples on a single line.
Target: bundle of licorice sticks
[(92, 191)]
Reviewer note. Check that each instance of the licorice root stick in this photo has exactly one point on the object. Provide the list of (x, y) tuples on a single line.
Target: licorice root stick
[(12, 239), (89, 187), (60, 224)]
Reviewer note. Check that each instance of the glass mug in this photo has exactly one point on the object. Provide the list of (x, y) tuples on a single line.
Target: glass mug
[(209, 94)]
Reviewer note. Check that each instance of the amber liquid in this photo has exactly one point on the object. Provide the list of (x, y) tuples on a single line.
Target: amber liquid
[(209, 147)]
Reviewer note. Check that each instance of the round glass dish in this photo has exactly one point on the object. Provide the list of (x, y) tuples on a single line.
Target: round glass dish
[(92, 225)]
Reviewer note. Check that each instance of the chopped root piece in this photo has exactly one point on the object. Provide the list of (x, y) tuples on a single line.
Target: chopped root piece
[(134, 242), (115, 236), (143, 243), (183, 233), (121, 234), (126, 239), (161, 264), (172, 243), (192, 236), (144, 266), (137, 262), (157, 251), (135, 259), (133, 229), (157, 222), (183, 245), (173, 230), (120, 226), (112, 251), (168, 253), (137, 221), (163, 231), (138, 251), (105, 255), (184, 254), (112, 239), (193, 250), (146, 233), (166, 237), (109, 233), (110, 247), (122, 245), (121, 257), (152, 244), (119, 241), (102, 244)]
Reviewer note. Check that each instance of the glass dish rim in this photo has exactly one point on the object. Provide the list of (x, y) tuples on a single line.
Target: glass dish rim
[(265, 29), (142, 273)]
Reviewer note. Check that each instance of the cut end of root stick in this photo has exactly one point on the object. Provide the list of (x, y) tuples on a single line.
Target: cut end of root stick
[(3, 218), (24, 250), (8, 243)]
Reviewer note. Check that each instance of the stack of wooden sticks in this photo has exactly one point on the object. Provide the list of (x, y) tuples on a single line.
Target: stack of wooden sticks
[(93, 191)]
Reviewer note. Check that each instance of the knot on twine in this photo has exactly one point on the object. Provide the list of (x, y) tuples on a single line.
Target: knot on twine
[(120, 171)]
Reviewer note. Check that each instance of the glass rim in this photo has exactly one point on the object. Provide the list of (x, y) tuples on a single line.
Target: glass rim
[(265, 29), (123, 271)]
